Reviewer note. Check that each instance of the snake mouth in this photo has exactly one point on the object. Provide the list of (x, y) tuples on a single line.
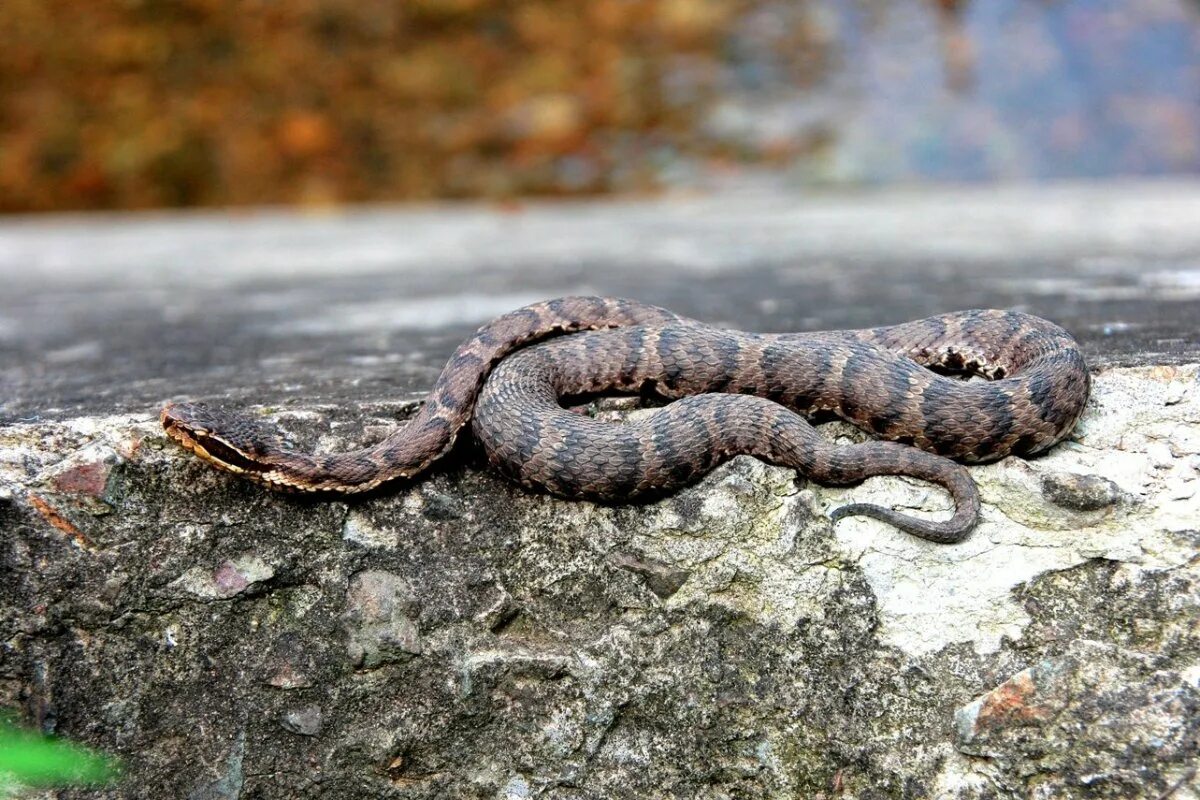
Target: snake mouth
[(211, 448), (222, 453)]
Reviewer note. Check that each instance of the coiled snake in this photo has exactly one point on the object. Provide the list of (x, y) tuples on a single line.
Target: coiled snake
[(734, 392)]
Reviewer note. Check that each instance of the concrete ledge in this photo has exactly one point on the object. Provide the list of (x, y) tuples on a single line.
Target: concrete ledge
[(461, 637), (118, 313)]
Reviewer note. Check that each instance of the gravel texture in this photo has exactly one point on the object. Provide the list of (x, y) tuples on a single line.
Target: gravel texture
[(460, 637)]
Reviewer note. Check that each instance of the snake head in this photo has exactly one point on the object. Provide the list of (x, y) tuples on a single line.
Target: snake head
[(230, 441)]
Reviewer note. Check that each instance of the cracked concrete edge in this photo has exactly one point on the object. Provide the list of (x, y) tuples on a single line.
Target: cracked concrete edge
[(693, 233)]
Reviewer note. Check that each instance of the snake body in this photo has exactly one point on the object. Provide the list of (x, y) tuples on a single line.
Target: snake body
[(734, 392)]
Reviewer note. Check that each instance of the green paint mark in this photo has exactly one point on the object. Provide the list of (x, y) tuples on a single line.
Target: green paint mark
[(30, 760)]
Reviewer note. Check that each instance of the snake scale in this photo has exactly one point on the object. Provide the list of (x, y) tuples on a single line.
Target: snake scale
[(734, 393)]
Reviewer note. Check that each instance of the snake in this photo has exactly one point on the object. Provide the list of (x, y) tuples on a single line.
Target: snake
[(722, 393)]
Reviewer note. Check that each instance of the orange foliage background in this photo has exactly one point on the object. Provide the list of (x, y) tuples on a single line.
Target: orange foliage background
[(144, 103)]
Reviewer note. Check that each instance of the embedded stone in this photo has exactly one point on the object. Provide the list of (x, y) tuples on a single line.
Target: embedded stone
[(380, 617), (1080, 492), (229, 578), (660, 577), (305, 721)]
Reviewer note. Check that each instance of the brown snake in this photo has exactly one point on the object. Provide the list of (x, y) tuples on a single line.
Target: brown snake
[(734, 392)]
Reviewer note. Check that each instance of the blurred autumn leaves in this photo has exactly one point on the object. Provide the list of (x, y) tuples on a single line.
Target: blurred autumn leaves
[(148, 103), (143, 103)]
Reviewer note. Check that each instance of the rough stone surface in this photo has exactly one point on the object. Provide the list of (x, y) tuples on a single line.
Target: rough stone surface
[(461, 637)]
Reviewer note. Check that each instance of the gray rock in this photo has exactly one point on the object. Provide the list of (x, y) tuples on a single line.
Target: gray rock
[(1080, 492), (304, 721), (229, 578), (725, 641), (229, 784), (289, 666), (662, 579), (498, 611), (380, 612)]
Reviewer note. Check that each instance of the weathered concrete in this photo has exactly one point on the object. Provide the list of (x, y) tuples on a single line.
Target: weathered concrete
[(460, 637), (114, 314)]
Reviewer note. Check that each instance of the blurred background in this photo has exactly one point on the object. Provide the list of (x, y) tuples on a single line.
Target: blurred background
[(120, 104)]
